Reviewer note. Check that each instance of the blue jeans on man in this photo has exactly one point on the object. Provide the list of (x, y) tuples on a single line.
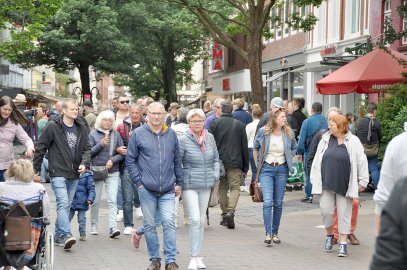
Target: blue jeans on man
[(308, 185), (164, 203), (130, 198), (374, 170), (64, 191), (273, 181), (252, 164)]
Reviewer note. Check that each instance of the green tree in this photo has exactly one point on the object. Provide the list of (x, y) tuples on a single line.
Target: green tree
[(81, 34), (165, 40), (249, 18), (25, 20)]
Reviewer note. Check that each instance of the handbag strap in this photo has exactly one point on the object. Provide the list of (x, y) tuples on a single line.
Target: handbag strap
[(318, 128), (21, 205), (260, 164)]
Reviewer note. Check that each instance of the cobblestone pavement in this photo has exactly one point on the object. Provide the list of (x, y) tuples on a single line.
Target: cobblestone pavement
[(301, 233)]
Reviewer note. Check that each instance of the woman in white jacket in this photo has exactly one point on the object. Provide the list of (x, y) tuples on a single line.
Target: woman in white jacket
[(339, 172)]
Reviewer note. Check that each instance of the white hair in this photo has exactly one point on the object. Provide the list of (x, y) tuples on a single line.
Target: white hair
[(156, 104), (104, 115), (194, 112)]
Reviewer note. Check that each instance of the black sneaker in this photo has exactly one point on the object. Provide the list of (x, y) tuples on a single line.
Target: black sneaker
[(230, 220), (328, 243), (58, 241), (155, 265), (307, 200), (343, 251), (69, 241), (171, 266), (114, 232)]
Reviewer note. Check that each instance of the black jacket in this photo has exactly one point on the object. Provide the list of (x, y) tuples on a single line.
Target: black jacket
[(296, 121), (391, 243), (362, 130), (54, 140), (231, 140)]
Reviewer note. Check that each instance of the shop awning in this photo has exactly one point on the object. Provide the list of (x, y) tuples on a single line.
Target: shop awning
[(315, 67), (276, 76), (371, 73)]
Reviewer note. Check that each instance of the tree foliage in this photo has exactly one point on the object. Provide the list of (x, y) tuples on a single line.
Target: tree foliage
[(165, 40), (225, 18), (25, 21), (81, 34)]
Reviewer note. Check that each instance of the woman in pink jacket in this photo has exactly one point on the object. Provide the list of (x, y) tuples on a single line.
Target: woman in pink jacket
[(10, 128)]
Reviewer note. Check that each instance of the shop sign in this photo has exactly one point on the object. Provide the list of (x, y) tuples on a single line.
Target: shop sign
[(328, 50), (217, 56), (226, 84)]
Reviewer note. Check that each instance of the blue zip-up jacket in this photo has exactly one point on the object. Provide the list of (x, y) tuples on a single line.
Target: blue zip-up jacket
[(84, 192), (242, 116), (100, 153), (309, 126), (154, 160), (201, 170), (290, 147)]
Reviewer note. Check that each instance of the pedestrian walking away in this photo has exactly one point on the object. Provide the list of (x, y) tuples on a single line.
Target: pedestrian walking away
[(66, 140), (274, 148), (154, 164)]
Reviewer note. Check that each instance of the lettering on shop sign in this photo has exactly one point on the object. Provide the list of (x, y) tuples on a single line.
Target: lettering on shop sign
[(217, 56), (329, 49), (226, 84)]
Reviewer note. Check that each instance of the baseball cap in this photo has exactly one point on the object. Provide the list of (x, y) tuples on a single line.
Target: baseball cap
[(88, 103), (277, 102)]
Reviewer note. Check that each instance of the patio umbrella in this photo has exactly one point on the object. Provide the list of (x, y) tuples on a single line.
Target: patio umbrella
[(372, 73)]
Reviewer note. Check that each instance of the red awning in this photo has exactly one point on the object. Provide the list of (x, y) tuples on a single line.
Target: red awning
[(371, 73)]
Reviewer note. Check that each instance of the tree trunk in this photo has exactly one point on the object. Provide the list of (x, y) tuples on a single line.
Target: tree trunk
[(254, 50), (85, 81), (169, 73)]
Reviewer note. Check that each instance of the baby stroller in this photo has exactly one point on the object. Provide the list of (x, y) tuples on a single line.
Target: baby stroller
[(40, 254)]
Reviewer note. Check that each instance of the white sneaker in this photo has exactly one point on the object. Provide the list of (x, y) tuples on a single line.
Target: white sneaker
[(94, 230), (119, 215), (192, 264), (127, 230), (241, 188), (139, 213), (199, 263)]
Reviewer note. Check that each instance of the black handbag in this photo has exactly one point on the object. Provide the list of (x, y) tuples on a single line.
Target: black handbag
[(100, 173)]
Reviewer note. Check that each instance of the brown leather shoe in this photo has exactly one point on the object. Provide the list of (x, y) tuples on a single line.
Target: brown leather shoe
[(353, 240), (155, 265)]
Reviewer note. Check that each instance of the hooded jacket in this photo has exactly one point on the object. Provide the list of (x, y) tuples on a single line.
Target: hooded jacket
[(84, 192), (154, 160), (54, 140)]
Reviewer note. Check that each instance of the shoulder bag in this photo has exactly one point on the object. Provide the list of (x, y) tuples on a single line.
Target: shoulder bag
[(100, 173), (309, 138), (255, 189), (17, 229)]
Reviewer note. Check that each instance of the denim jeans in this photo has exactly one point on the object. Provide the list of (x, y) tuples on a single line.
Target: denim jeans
[(308, 185), (142, 230), (130, 198), (112, 183), (44, 169), (119, 196), (81, 219), (64, 191), (252, 164), (197, 203), (273, 181), (164, 203), (374, 170)]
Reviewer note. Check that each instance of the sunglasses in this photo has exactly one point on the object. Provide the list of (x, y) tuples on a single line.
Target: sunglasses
[(125, 102)]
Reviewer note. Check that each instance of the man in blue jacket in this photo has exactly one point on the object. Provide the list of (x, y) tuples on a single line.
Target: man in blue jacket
[(154, 164), (310, 127)]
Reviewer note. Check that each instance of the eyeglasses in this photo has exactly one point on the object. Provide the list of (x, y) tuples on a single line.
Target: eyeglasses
[(125, 101), (196, 122), (156, 114)]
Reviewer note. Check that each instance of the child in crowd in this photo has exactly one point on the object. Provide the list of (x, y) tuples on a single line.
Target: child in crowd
[(84, 196)]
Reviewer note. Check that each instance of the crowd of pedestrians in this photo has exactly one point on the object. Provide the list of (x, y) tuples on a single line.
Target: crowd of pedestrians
[(152, 160)]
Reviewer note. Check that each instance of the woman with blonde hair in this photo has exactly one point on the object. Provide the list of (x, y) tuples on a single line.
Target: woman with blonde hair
[(274, 148), (20, 185), (338, 173), (104, 141)]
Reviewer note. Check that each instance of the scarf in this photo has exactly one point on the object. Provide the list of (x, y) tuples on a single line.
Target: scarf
[(200, 139)]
